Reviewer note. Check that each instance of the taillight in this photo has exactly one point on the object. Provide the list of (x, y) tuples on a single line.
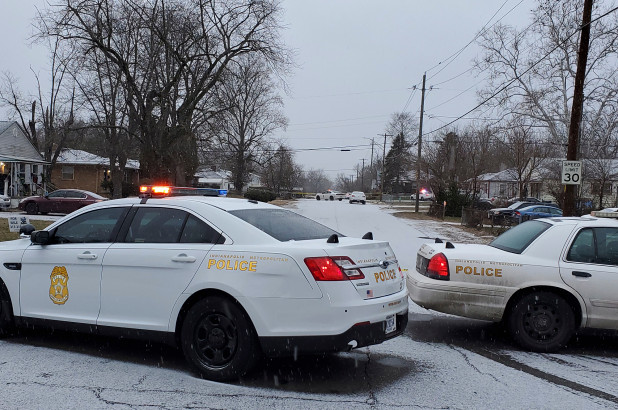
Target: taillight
[(332, 268), (517, 213), (438, 267)]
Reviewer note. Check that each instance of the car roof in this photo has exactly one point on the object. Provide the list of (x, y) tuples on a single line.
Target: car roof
[(585, 221), (226, 204), (525, 208)]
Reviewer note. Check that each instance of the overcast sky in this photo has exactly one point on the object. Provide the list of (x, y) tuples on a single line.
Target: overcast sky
[(358, 61)]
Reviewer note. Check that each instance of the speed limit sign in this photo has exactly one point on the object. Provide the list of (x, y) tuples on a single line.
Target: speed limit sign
[(571, 172)]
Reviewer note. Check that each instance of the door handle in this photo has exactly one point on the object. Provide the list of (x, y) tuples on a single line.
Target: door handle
[(183, 257), (581, 274), (87, 255)]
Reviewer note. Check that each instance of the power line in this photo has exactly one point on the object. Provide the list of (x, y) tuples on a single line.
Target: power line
[(519, 76)]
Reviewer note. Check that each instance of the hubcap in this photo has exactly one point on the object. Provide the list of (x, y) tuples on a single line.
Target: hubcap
[(542, 322), (216, 339)]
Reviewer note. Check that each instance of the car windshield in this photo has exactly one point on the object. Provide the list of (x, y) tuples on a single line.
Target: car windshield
[(284, 225), (515, 205), (517, 239)]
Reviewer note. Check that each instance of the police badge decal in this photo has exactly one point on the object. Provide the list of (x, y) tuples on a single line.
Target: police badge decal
[(58, 290)]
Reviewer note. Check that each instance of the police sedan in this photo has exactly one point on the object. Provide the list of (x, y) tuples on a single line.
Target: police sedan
[(225, 279), (544, 279)]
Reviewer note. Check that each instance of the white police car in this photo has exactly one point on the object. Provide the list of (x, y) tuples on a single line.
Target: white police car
[(226, 279), (544, 278)]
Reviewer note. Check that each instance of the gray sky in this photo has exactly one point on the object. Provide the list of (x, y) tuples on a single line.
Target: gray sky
[(357, 63)]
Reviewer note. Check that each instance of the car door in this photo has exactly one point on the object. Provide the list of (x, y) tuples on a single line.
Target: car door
[(590, 266), (61, 280), (72, 202), (146, 271), (51, 203)]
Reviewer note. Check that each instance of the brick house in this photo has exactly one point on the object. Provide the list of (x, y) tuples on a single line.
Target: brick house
[(83, 170)]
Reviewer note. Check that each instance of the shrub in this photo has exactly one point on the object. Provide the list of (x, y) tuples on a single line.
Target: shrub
[(262, 195)]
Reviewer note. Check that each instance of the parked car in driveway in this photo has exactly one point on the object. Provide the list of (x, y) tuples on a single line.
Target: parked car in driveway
[(63, 201), (535, 211), (524, 199), (5, 201), (500, 215)]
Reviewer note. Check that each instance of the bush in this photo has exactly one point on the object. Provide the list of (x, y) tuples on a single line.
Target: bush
[(455, 200), (262, 195)]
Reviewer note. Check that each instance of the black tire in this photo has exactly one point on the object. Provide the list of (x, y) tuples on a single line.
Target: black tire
[(332, 198), (351, 202), (32, 208), (218, 339), (340, 199), (317, 197), (541, 322), (7, 322), (363, 202)]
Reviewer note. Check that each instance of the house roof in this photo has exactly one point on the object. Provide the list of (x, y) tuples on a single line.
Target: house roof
[(71, 156), (15, 146)]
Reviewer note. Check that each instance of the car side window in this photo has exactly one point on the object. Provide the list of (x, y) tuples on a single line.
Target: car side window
[(196, 231), (156, 225), (57, 194), (583, 247), (97, 226), (75, 195), (607, 245)]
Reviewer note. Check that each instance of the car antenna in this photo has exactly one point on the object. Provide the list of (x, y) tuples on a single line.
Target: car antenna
[(368, 235), (438, 240), (450, 245), (333, 239)]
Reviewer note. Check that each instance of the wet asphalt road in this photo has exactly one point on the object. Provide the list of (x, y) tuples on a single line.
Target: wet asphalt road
[(440, 362)]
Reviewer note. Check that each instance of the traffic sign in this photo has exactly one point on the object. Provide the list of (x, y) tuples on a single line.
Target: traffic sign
[(571, 172)]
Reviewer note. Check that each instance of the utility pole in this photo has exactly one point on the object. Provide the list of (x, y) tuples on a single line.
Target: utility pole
[(383, 161), (578, 104), (419, 142), (363, 176)]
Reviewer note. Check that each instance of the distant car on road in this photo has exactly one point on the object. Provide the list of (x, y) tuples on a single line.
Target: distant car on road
[(535, 211), (330, 195), (63, 201), (358, 196), (423, 195)]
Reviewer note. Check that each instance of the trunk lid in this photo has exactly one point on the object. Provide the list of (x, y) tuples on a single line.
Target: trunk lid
[(376, 260)]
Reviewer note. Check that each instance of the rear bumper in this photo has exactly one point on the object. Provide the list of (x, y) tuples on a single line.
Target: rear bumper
[(359, 335), (456, 299)]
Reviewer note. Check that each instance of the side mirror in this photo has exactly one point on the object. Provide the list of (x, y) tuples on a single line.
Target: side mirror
[(40, 237), (25, 230)]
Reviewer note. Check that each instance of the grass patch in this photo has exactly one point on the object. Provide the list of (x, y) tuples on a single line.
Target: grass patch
[(5, 235)]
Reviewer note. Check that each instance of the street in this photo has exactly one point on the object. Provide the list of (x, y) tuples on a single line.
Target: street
[(441, 361)]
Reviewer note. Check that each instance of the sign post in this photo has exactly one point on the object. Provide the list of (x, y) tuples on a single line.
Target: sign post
[(571, 172), (15, 222)]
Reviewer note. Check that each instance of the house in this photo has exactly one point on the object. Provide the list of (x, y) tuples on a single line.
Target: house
[(221, 179), (504, 184), (21, 165), (83, 170)]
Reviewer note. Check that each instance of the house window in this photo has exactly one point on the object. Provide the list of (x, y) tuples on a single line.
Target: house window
[(68, 173)]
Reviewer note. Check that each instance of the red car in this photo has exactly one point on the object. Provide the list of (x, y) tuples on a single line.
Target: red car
[(63, 201)]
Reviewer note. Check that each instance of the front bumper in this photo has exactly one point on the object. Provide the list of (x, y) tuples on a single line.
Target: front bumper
[(359, 335)]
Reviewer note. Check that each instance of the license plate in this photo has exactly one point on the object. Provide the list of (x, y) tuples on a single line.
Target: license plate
[(391, 324)]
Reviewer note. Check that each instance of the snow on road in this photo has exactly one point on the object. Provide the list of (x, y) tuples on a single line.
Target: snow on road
[(440, 362)]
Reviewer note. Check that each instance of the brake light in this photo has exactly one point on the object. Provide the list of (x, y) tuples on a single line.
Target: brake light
[(438, 267), (332, 269), (517, 213)]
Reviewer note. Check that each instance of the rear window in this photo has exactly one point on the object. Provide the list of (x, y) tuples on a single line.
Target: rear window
[(517, 239), (284, 225)]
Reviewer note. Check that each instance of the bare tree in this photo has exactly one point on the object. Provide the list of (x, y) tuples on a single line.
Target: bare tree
[(315, 180), (534, 69), (280, 171), (250, 112), (48, 126), (179, 51)]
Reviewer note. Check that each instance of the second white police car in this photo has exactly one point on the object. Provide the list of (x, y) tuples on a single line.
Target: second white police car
[(544, 279), (226, 279)]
